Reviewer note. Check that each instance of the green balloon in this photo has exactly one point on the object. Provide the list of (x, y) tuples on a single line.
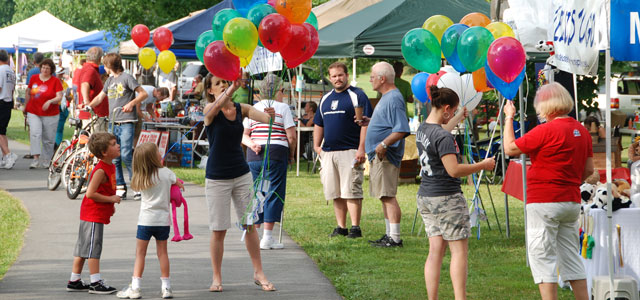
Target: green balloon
[(472, 47), (221, 19), (259, 11), (202, 42), (421, 50), (312, 20)]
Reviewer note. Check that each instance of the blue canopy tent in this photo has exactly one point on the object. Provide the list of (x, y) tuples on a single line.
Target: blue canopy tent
[(21, 49), (102, 39)]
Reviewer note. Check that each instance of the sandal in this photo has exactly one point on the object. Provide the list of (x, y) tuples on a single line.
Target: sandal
[(267, 287), (216, 288)]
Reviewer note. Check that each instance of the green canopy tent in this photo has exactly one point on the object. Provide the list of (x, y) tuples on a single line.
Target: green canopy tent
[(380, 25)]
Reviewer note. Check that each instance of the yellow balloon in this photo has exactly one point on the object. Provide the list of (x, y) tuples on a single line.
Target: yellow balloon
[(244, 61), (166, 61), (499, 29), (147, 57), (437, 25)]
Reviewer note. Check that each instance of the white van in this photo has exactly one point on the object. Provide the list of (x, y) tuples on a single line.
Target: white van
[(625, 95)]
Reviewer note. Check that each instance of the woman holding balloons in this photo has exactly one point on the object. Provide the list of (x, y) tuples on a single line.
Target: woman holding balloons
[(228, 178)]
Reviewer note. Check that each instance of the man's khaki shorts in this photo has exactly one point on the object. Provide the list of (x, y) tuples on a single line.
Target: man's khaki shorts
[(338, 177), (383, 178), (447, 216)]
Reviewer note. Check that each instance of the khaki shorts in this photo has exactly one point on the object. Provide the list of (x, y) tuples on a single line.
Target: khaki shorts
[(553, 241), (447, 216), (221, 193), (383, 178), (338, 178)]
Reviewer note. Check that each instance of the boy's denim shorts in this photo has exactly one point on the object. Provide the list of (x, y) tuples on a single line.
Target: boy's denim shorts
[(161, 233)]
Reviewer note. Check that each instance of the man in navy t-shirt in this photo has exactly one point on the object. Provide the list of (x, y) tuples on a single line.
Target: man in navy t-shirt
[(342, 151)]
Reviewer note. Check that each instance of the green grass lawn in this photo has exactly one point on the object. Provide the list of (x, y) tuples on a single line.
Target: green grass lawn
[(497, 266), (14, 220), (16, 130)]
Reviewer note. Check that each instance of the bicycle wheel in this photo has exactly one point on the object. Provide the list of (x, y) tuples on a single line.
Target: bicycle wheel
[(76, 174), (55, 167), (66, 168)]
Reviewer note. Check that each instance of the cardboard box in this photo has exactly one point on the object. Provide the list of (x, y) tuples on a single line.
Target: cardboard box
[(173, 159)]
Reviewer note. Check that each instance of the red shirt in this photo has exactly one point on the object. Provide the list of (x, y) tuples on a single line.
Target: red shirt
[(76, 77), (559, 151), (89, 73), (100, 212), (42, 92)]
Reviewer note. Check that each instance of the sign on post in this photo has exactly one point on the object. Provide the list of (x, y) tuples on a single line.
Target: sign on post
[(625, 30)]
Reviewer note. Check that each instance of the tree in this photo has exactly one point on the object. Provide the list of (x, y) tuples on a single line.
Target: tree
[(6, 12)]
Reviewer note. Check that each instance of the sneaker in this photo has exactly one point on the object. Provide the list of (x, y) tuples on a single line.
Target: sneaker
[(354, 232), (99, 287), (167, 293), (270, 243), (77, 286), (388, 243), (10, 160), (380, 240), (137, 196), (35, 164), (121, 191), (339, 231), (129, 293)]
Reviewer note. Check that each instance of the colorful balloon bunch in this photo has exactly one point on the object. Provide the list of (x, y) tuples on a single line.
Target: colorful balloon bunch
[(488, 50), (162, 39), (277, 25)]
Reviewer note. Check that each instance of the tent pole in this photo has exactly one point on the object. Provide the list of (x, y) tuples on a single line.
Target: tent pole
[(575, 95), (523, 160), (354, 82), (300, 77), (503, 162), (607, 81)]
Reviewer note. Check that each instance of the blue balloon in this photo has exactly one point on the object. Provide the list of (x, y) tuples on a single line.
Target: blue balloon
[(419, 86), (449, 43), (508, 90), (243, 6)]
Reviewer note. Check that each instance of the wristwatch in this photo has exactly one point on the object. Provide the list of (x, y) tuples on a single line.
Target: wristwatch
[(384, 146)]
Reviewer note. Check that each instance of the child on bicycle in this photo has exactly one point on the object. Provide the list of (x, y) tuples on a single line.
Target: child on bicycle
[(154, 181), (95, 211)]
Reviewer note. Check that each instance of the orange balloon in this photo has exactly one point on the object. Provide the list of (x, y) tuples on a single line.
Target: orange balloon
[(296, 11), (475, 19), (480, 80)]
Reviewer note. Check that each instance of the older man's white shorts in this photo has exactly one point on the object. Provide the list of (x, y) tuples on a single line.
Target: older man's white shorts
[(553, 241), (220, 194)]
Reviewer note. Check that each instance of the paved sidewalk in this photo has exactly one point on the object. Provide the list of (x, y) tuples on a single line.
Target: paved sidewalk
[(44, 265)]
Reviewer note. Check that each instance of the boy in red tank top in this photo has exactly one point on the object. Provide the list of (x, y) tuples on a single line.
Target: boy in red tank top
[(95, 212)]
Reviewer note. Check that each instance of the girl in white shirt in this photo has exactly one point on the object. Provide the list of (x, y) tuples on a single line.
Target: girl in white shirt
[(154, 181)]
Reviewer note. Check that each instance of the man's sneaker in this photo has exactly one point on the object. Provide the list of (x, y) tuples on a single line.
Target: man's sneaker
[(167, 293), (121, 191), (380, 240), (270, 243), (99, 287), (10, 160), (129, 293), (137, 196), (339, 231), (388, 243), (354, 232), (77, 286), (35, 164)]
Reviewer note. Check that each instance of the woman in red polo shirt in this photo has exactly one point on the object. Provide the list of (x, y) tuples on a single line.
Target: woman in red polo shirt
[(42, 103), (561, 158)]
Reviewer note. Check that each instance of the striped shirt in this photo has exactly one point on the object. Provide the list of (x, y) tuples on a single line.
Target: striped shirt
[(260, 131)]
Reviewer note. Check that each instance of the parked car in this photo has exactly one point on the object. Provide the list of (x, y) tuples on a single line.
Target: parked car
[(625, 95)]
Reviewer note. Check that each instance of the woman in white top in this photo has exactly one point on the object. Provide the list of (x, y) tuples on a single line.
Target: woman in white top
[(282, 145)]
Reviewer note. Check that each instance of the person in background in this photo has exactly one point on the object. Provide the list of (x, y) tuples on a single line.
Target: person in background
[(242, 94), (148, 105), (309, 112), (306, 137), (7, 86), (196, 90), (561, 159), (385, 147), (405, 88), (281, 151), (90, 86), (588, 121), (170, 81), (67, 97), (42, 102), (37, 61)]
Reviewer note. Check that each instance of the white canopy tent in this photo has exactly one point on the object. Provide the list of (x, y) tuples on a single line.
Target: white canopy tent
[(43, 31)]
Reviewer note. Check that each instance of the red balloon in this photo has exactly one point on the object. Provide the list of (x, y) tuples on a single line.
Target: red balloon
[(433, 80), (140, 35), (506, 58), (311, 50), (274, 32), (162, 38), (221, 62), (299, 43)]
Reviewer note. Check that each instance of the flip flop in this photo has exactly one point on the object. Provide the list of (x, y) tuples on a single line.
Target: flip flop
[(267, 287), (216, 288)]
